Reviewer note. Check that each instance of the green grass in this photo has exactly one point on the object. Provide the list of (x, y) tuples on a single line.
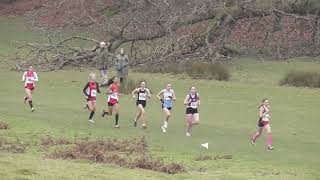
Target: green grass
[(228, 117)]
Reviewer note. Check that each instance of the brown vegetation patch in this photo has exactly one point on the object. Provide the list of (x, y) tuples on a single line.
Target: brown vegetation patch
[(4, 125), (117, 152), (50, 141), (15, 147)]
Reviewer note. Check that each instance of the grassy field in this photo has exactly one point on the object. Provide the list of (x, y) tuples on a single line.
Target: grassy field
[(228, 117)]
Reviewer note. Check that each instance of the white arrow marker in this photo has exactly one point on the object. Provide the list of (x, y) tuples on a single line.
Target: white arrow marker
[(205, 145)]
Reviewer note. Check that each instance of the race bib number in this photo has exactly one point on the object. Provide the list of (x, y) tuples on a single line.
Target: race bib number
[(194, 104), (142, 96), (114, 96), (93, 93)]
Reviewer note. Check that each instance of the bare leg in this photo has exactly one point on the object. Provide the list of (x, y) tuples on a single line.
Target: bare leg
[(142, 113), (195, 119), (167, 117), (92, 107), (269, 136), (256, 135), (116, 112), (29, 97), (189, 124)]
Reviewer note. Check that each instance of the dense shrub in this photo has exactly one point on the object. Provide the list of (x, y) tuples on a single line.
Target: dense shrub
[(302, 79), (195, 70)]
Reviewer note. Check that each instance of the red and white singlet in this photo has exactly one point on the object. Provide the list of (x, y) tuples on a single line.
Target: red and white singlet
[(92, 91), (29, 77), (113, 97)]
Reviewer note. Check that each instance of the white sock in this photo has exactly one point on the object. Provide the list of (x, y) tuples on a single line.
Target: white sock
[(165, 124)]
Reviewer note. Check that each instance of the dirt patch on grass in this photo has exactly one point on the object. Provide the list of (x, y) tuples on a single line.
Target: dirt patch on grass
[(4, 125), (15, 147), (229, 156), (217, 157), (123, 153), (203, 158)]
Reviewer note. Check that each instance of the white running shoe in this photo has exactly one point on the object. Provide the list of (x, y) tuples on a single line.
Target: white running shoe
[(165, 125), (144, 126), (188, 134), (32, 109), (163, 129), (90, 120)]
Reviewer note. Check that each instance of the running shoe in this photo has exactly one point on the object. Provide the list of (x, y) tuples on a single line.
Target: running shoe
[(116, 126), (32, 109), (270, 147), (165, 125), (188, 134), (144, 126), (163, 129), (135, 124), (90, 120)]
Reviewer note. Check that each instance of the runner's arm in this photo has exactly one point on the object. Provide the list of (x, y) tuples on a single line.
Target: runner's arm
[(24, 76), (173, 95), (186, 100), (98, 89), (109, 91), (198, 100), (85, 89), (134, 92), (148, 93), (35, 76), (159, 95)]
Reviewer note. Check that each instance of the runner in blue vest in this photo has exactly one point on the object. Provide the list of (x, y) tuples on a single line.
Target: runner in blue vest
[(166, 96)]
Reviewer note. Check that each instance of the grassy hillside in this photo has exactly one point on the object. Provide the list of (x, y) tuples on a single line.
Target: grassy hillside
[(228, 117)]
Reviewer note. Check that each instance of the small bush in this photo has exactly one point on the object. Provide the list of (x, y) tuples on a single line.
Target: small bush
[(302, 79), (4, 125), (195, 70)]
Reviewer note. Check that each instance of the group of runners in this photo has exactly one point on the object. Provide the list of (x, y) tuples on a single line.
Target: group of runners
[(142, 93)]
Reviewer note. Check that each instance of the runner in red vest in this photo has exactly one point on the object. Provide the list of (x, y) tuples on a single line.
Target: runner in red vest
[(29, 77), (113, 100), (263, 123), (90, 90)]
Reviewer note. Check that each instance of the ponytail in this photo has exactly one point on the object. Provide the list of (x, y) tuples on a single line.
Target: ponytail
[(110, 81)]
